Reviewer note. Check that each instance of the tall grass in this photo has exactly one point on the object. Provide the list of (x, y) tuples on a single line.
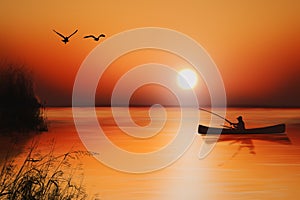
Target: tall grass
[(20, 109), (43, 177)]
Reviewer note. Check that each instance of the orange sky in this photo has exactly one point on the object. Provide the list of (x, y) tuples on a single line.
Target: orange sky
[(255, 44)]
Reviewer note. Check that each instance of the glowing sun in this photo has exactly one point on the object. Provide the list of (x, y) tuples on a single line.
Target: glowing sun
[(187, 79)]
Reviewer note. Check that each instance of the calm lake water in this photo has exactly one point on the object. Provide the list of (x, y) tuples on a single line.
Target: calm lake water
[(238, 167)]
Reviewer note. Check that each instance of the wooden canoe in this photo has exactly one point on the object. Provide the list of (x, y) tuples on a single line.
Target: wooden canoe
[(279, 128)]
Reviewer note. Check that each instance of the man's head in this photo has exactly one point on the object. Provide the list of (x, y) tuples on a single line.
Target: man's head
[(240, 118)]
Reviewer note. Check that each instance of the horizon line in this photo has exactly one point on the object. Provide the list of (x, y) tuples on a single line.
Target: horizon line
[(169, 106)]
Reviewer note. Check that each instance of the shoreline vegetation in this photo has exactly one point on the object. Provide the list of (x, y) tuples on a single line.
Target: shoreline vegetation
[(20, 109), (43, 176)]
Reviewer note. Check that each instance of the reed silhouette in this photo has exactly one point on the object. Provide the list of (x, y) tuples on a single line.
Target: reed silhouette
[(65, 38), (20, 108), (43, 176), (94, 37)]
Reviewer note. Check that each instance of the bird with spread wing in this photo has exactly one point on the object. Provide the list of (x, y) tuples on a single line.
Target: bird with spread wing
[(65, 38), (94, 37)]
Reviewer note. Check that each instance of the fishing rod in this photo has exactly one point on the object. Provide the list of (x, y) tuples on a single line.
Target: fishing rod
[(216, 115)]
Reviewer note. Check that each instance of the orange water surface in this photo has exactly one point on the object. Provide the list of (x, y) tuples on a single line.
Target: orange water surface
[(238, 167)]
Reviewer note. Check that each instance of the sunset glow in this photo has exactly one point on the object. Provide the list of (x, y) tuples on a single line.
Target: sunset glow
[(187, 79), (150, 99), (254, 44)]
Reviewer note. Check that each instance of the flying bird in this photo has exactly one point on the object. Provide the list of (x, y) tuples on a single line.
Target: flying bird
[(95, 38), (65, 39)]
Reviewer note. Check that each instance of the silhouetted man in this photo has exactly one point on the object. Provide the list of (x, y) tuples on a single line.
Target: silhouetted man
[(240, 125)]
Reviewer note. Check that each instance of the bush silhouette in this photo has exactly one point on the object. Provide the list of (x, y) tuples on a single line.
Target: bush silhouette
[(20, 109)]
